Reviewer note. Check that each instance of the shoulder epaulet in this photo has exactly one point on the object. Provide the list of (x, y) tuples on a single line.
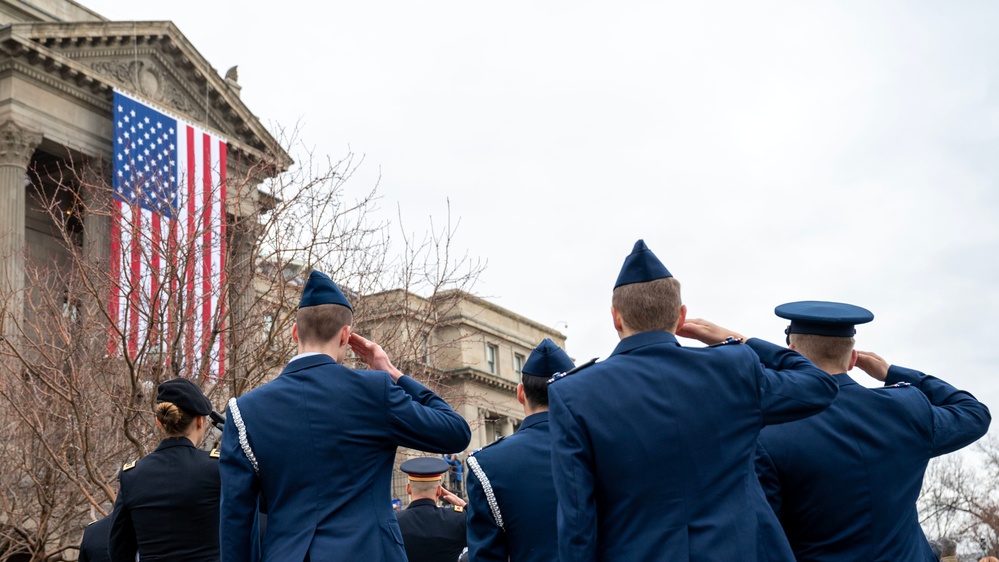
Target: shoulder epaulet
[(898, 385), (128, 466), (458, 508), (558, 376), (215, 453), (487, 446)]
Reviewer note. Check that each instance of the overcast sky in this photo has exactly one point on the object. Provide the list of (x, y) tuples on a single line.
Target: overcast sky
[(766, 151)]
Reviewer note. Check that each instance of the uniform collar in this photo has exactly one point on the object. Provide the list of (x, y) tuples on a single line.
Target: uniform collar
[(643, 339), (533, 419), (422, 502), (174, 442), (844, 379), (303, 361)]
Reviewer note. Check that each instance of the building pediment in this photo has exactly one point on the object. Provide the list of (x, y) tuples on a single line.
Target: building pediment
[(152, 60)]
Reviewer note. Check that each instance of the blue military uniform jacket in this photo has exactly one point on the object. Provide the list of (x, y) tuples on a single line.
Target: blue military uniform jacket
[(844, 483), (652, 449), (167, 506), (518, 480), (431, 533), (324, 437)]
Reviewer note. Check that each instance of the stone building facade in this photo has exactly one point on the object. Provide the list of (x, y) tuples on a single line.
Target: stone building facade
[(468, 349), (59, 65)]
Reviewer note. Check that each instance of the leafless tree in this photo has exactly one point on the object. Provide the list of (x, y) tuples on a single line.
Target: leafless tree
[(78, 380), (960, 500)]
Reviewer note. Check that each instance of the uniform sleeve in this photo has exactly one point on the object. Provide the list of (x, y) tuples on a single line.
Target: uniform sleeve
[(572, 468), (419, 419), (240, 488), (122, 544), (766, 471), (790, 386), (958, 418), (486, 542), (84, 555)]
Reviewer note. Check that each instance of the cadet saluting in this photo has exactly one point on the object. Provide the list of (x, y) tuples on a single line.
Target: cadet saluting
[(511, 495), (844, 482), (168, 501), (431, 533), (652, 449), (317, 444)]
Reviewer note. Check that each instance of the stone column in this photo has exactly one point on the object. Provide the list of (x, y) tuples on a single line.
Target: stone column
[(17, 144), (507, 430)]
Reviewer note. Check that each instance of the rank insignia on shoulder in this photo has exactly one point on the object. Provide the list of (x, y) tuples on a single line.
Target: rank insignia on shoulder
[(899, 385), (458, 508), (559, 376), (215, 453), (128, 466)]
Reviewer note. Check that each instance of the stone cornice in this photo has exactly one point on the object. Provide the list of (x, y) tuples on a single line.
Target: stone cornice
[(473, 375), (61, 52)]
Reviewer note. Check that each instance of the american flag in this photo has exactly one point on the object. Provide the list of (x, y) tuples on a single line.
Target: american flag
[(168, 239)]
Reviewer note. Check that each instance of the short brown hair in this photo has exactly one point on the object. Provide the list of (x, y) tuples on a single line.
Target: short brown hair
[(825, 350), (653, 305), (322, 322)]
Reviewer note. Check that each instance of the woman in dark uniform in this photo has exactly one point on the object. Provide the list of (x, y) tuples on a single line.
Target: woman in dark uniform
[(168, 501)]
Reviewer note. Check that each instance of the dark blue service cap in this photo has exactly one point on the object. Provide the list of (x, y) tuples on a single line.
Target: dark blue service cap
[(823, 318), (425, 469), (546, 360), (185, 395), (641, 266), (320, 289)]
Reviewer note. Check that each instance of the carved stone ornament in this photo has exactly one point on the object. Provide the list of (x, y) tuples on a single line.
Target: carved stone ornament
[(146, 79), (17, 144)]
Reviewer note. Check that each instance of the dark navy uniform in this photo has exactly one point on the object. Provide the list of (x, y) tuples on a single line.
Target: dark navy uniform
[(431, 533), (844, 483), (168, 506), (511, 493), (652, 449), (94, 546), (518, 482)]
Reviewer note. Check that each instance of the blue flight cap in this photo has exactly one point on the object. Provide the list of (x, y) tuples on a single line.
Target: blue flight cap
[(641, 266), (425, 469), (320, 289), (546, 360), (823, 318)]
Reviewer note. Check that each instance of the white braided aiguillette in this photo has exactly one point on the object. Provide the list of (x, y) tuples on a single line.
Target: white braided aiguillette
[(473, 464), (244, 443)]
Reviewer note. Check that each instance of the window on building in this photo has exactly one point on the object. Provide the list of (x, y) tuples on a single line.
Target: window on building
[(491, 354), (518, 364)]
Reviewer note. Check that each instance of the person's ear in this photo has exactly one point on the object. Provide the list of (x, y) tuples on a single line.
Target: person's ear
[(294, 332), (618, 322), (681, 318), (521, 396), (853, 359), (409, 489)]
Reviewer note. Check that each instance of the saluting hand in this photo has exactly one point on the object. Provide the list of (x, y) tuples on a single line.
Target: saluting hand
[(451, 498), (373, 354), (872, 364), (705, 332)]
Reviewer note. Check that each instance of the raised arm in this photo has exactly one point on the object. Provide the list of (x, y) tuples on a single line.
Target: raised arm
[(959, 419)]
